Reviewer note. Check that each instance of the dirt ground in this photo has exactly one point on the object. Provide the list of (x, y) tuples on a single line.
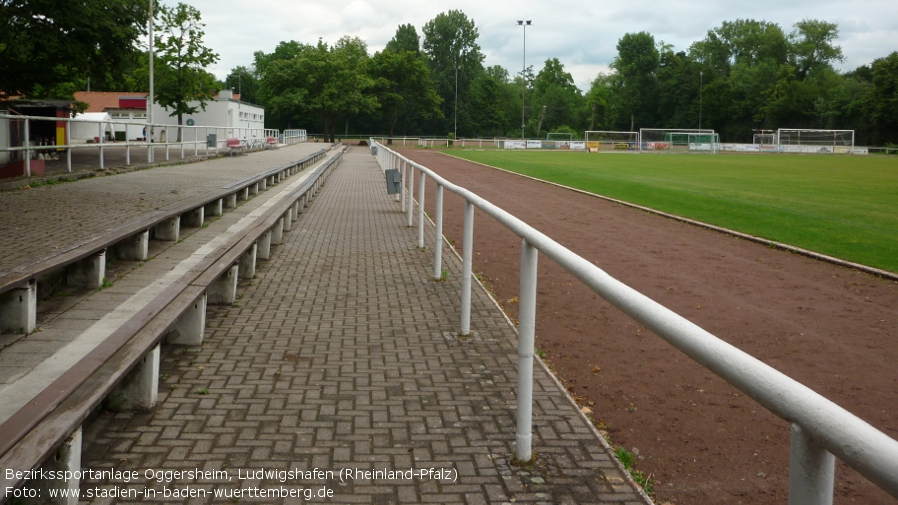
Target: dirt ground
[(831, 328)]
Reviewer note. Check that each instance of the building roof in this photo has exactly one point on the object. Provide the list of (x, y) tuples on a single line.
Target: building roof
[(99, 101)]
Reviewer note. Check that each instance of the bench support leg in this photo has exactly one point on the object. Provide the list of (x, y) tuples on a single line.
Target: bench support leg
[(170, 229), (18, 310), (139, 390), (190, 327), (263, 184), (224, 290), (264, 251), (277, 232), (231, 200), (247, 265), (214, 208), (66, 459), (193, 218), (288, 220), (135, 247), (88, 273)]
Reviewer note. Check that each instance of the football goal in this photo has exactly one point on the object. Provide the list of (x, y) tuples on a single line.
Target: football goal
[(661, 140), (815, 141), (598, 141)]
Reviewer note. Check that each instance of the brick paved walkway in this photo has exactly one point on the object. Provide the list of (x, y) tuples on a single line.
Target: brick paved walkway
[(341, 354)]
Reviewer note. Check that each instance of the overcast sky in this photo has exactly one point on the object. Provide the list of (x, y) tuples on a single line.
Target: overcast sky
[(581, 34)]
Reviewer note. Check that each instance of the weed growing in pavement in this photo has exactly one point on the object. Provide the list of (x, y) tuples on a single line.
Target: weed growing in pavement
[(202, 391), (628, 459), (539, 352), (104, 285)]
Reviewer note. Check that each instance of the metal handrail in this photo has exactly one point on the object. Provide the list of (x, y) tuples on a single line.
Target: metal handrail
[(820, 428), (196, 141)]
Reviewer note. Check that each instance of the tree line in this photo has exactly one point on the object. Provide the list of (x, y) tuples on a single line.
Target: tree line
[(742, 77)]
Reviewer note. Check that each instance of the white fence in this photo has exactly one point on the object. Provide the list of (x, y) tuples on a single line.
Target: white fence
[(820, 428), (18, 143)]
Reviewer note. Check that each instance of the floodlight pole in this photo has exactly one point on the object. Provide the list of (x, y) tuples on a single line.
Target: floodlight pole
[(525, 24), (150, 96), (701, 84), (455, 129)]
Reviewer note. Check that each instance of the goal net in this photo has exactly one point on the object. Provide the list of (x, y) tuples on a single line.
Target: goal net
[(764, 139), (597, 141), (815, 141), (678, 141)]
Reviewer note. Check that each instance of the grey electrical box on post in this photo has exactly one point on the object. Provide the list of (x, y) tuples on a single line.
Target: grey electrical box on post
[(211, 140), (394, 181)]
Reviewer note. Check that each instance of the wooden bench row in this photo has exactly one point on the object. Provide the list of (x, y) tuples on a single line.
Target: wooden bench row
[(47, 431)]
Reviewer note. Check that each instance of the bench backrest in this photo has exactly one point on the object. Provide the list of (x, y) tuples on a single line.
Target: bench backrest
[(233, 142)]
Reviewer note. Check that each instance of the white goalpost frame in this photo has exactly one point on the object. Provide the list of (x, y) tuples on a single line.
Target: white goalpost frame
[(804, 140), (764, 139), (611, 140), (678, 140)]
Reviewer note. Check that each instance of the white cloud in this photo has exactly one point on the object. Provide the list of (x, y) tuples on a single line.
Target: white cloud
[(582, 35)]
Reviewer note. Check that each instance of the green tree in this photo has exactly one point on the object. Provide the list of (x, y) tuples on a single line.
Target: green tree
[(636, 62), (554, 89), (882, 102), (244, 82), (450, 43), (404, 89), (489, 117), (182, 83), (406, 39), (327, 82), (45, 45), (813, 46)]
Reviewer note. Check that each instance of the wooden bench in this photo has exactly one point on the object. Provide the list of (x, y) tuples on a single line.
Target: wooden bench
[(271, 142), (235, 145)]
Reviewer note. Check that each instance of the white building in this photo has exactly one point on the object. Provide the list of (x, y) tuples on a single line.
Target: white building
[(232, 118)]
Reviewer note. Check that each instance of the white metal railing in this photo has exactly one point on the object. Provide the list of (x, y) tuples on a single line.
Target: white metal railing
[(820, 428), (294, 136), (162, 135)]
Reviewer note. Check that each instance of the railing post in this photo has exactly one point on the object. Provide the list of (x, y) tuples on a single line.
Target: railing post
[(27, 149), (404, 167), (466, 268), (421, 210), (526, 345), (438, 239), (68, 143), (411, 194), (811, 471)]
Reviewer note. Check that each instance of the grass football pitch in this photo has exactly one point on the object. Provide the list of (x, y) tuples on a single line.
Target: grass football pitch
[(842, 206)]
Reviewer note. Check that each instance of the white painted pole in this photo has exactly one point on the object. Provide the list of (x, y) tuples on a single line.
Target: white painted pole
[(404, 165), (811, 471), (466, 268), (438, 239), (421, 210), (150, 97), (526, 345), (411, 195)]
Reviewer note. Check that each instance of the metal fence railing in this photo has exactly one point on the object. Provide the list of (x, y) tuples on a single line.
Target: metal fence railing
[(820, 428), (21, 138)]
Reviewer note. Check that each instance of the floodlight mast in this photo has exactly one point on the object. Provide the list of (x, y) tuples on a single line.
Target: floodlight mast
[(150, 96), (525, 24)]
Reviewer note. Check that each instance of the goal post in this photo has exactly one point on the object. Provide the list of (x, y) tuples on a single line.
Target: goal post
[(684, 140), (798, 140), (607, 140)]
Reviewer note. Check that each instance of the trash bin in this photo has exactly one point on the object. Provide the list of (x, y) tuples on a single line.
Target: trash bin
[(394, 181), (373, 150), (212, 140)]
